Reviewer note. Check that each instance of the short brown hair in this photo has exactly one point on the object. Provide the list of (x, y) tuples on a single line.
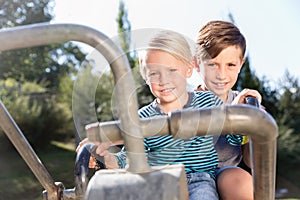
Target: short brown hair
[(216, 36)]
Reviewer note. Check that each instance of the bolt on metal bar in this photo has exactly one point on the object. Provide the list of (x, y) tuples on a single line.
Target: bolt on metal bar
[(251, 121)]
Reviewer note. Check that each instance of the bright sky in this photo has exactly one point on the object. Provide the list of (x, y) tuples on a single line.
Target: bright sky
[(271, 28)]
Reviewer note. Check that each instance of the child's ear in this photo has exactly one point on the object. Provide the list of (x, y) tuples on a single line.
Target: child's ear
[(242, 62), (190, 70), (196, 64)]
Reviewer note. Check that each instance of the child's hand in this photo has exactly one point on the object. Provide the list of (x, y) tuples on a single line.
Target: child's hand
[(109, 158), (81, 143), (102, 150), (92, 162), (240, 98)]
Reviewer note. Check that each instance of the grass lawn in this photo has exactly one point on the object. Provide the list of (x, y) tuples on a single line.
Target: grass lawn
[(288, 177), (18, 182)]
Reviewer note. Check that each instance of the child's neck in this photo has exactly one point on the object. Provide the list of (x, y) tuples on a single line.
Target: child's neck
[(224, 98), (178, 104)]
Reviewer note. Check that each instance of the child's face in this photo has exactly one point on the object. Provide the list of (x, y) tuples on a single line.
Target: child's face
[(166, 77), (221, 73)]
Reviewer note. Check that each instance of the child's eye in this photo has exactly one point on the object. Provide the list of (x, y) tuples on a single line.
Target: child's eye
[(231, 65), (153, 73), (211, 64), (173, 70)]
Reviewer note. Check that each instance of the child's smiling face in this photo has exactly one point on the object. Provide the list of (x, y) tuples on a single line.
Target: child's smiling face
[(221, 73), (166, 76)]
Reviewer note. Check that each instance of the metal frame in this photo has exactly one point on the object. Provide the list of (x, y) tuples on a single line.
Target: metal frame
[(258, 124), (42, 34)]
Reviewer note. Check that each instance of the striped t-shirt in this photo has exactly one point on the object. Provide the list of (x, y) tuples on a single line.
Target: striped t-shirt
[(197, 153)]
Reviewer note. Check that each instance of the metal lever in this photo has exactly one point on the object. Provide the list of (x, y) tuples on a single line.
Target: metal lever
[(252, 101)]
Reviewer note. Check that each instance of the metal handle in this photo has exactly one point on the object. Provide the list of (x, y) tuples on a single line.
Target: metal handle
[(252, 101)]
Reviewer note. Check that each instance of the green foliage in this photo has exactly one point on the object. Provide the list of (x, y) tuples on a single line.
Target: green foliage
[(143, 91), (91, 98), (283, 103), (37, 82), (124, 30), (289, 104), (248, 79), (104, 97), (37, 64), (21, 12), (288, 117), (40, 64), (40, 117)]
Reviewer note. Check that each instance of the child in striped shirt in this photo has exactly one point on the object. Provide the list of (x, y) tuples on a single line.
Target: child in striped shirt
[(166, 65)]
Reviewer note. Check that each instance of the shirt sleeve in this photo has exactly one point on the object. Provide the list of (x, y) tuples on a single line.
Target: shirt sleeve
[(234, 139), (121, 158)]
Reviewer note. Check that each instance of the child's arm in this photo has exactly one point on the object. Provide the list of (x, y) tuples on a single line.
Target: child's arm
[(121, 158)]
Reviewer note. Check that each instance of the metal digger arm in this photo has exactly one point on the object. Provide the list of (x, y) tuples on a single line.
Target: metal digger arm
[(42, 34)]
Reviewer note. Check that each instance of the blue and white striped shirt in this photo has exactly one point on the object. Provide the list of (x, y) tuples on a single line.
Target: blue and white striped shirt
[(197, 153)]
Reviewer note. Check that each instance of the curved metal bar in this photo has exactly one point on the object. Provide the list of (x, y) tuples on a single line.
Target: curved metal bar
[(15, 135), (42, 34), (251, 121)]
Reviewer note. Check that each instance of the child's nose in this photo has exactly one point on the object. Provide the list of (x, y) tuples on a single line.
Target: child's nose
[(221, 73), (164, 78)]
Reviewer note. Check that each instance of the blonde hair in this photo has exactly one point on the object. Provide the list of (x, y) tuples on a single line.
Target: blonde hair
[(170, 42)]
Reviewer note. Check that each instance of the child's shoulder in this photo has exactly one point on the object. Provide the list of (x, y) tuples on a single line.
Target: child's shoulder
[(206, 97), (148, 110), (204, 94)]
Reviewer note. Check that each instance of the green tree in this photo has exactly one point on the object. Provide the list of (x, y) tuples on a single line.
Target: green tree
[(289, 103), (38, 64), (47, 111), (288, 120), (248, 79), (38, 113), (19, 12), (124, 32)]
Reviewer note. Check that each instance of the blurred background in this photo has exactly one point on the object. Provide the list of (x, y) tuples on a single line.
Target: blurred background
[(37, 84)]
